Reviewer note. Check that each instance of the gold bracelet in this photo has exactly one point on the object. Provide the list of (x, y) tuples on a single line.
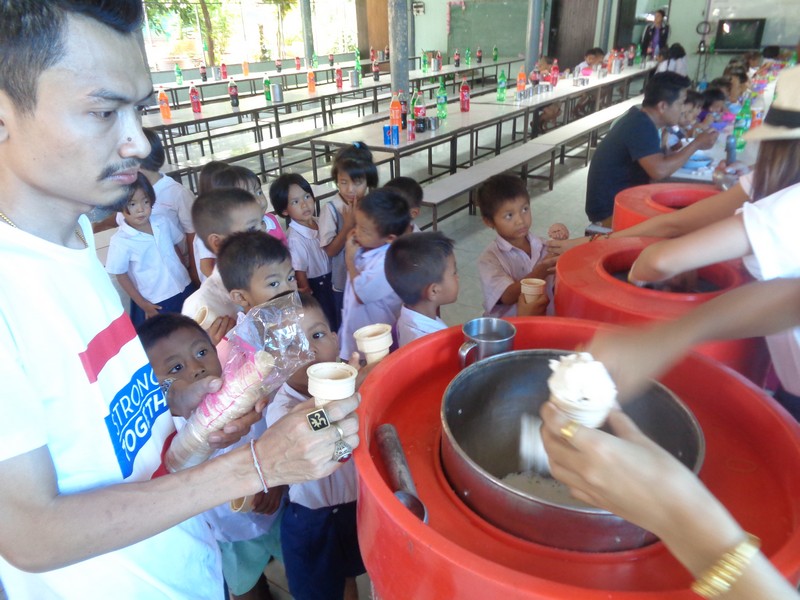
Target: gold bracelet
[(719, 578)]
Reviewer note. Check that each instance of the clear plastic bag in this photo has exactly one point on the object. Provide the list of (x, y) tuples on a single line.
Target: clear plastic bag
[(266, 347)]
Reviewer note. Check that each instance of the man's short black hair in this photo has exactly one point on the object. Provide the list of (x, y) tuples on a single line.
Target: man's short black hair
[(245, 251), (409, 188), (665, 87), (32, 38), (388, 209), (211, 212), (416, 260), (157, 157), (498, 189), (163, 325)]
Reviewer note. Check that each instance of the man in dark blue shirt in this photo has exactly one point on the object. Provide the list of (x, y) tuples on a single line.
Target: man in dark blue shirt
[(631, 154)]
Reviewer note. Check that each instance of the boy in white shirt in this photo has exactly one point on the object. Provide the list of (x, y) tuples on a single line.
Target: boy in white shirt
[(318, 528), (145, 257), (412, 192), (516, 253), (216, 215), (380, 217), (421, 268)]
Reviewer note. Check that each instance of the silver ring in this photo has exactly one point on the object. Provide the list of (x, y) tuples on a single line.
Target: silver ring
[(342, 451), (339, 429)]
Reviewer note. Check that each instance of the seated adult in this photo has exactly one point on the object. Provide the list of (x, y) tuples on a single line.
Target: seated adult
[(631, 153)]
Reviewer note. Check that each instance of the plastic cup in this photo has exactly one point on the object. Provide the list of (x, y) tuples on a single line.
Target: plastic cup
[(205, 317), (374, 341), (331, 381), (531, 288)]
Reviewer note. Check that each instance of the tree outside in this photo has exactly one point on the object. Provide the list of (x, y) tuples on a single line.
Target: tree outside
[(194, 32)]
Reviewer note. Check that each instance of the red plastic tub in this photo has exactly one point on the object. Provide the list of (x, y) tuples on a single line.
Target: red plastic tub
[(753, 456), (587, 289), (637, 204)]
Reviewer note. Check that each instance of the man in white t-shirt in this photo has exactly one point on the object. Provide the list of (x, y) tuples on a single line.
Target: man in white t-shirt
[(85, 513)]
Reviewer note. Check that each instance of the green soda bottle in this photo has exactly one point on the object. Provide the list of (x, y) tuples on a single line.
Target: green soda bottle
[(501, 86), (358, 61), (267, 90), (314, 60), (424, 61), (467, 57), (441, 100), (494, 53), (740, 126), (178, 74)]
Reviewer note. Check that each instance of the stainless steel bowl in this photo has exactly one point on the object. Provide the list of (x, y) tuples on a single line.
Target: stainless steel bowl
[(481, 414)]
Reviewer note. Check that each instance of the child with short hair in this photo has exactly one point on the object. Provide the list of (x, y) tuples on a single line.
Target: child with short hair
[(255, 268), (354, 174), (178, 348), (145, 257), (318, 528), (412, 191), (216, 215), (381, 217), (677, 136), (516, 253), (292, 197), (421, 268), (713, 106)]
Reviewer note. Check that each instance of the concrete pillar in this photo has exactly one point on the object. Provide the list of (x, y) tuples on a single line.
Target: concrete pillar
[(533, 37), (412, 32), (398, 44), (308, 31)]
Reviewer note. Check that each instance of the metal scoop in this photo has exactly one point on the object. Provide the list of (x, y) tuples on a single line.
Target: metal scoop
[(394, 458)]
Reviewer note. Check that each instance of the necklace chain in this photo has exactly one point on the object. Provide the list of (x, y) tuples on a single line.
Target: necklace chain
[(78, 231)]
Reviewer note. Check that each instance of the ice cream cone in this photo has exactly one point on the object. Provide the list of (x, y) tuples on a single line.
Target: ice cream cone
[(374, 341), (331, 381), (582, 389), (531, 288)]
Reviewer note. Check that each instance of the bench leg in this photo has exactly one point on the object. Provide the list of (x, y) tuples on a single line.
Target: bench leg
[(434, 224), (563, 153), (552, 176)]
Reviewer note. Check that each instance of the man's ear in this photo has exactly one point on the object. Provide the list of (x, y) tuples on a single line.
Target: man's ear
[(7, 113), (241, 298), (214, 242)]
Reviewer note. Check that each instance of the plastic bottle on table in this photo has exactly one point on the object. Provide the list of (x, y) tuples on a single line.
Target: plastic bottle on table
[(395, 111), (457, 59), (357, 61), (330, 59), (479, 55), (467, 57), (403, 109), (314, 60), (339, 78), (278, 65), (411, 122), (730, 149), (203, 73), (463, 95), (424, 62), (178, 74), (386, 52), (376, 71), (223, 71), (267, 89), (194, 98), (372, 54), (521, 80), (312, 82), (233, 92), (501, 86), (757, 110), (420, 111), (495, 53), (441, 100), (245, 68), (740, 127), (163, 104), (554, 73)]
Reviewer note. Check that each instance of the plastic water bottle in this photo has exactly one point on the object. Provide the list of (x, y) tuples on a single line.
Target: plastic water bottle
[(267, 90), (194, 98), (233, 92), (163, 104), (178, 74), (501, 86), (403, 109), (441, 100), (463, 95)]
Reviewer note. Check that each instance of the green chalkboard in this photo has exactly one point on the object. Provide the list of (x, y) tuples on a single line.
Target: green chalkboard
[(485, 23)]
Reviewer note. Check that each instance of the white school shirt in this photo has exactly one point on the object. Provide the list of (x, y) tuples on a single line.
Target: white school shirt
[(175, 202), (379, 303), (99, 411), (338, 488), (501, 265), (307, 254), (771, 225), (213, 295), (149, 260), (412, 325), (201, 252), (329, 219)]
